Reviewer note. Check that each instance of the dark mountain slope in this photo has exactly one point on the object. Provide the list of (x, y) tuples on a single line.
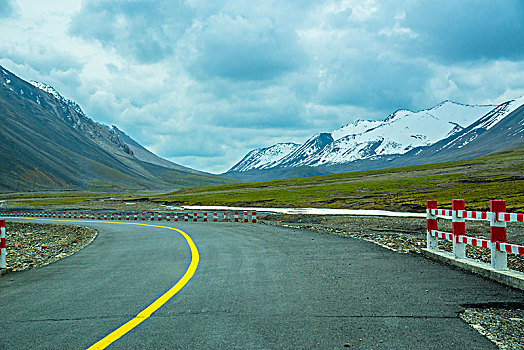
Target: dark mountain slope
[(48, 144)]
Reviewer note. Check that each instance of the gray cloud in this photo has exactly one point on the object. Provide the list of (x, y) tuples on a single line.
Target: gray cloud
[(241, 48), (468, 30), (7, 8), (374, 82), (143, 30), (57, 69), (42, 58)]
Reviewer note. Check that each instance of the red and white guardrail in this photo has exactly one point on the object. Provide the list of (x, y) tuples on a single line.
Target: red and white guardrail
[(150, 216), (3, 248), (497, 217), (102, 216)]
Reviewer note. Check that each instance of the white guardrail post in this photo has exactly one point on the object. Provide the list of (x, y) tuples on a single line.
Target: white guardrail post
[(498, 234), (431, 224), (458, 228)]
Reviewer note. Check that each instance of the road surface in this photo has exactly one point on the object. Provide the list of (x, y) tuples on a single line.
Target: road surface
[(256, 286)]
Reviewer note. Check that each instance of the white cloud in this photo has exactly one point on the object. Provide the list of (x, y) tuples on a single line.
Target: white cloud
[(398, 30)]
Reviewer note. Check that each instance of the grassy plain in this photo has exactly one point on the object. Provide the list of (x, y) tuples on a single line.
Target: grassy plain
[(497, 176)]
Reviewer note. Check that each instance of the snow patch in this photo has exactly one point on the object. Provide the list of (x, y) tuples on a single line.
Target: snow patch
[(50, 90), (355, 128), (260, 158), (311, 211)]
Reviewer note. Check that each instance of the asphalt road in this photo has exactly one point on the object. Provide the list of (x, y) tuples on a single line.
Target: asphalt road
[(256, 286)]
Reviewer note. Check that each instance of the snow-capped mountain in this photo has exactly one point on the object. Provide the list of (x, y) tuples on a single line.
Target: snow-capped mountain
[(493, 118), (107, 136), (502, 127), (358, 127), (398, 134), (401, 132), (306, 153), (484, 123), (73, 115), (261, 158)]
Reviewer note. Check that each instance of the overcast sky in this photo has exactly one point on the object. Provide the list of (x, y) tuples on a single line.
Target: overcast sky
[(203, 82)]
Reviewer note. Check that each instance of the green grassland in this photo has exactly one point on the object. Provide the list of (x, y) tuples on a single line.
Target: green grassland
[(497, 176)]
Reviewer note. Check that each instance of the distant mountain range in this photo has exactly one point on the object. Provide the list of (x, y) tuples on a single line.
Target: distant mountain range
[(47, 142), (448, 131)]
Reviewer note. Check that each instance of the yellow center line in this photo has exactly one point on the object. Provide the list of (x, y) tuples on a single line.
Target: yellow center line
[(155, 305)]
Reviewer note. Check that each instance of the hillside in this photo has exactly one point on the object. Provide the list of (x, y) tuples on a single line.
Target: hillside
[(48, 143)]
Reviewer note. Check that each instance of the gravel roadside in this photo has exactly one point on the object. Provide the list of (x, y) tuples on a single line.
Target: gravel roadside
[(501, 324), (33, 245)]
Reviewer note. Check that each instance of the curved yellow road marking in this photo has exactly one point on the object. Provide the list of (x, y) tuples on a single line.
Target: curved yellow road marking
[(155, 305)]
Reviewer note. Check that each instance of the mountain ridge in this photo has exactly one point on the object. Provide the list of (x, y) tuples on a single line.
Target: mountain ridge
[(145, 155), (264, 156), (48, 143), (371, 144)]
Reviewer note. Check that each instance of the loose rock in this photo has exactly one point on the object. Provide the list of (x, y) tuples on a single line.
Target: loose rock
[(31, 245)]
